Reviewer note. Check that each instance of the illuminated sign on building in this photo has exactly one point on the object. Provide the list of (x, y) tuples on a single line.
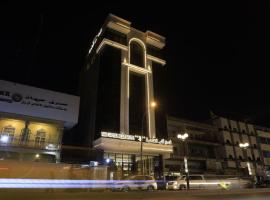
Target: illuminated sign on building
[(36, 102), (135, 138)]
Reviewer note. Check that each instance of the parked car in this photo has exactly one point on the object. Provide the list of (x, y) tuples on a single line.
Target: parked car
[(201, 182), (136, 182), (162, 182)]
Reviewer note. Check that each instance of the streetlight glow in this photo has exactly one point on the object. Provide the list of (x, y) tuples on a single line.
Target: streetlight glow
[(182, 136), (244, 145), (4, 139), (153, 104)]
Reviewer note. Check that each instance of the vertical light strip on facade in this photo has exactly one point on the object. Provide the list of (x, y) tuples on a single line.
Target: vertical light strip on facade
[(147, 79), (148, 105), (128, 82)]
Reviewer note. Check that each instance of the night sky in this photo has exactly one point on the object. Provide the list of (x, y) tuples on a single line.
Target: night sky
[(217, 53)]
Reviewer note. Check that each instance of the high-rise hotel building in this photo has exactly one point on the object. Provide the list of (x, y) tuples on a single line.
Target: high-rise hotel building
[(118, 85)]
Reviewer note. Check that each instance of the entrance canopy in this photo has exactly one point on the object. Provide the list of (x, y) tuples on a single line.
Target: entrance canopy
[(132, 147)]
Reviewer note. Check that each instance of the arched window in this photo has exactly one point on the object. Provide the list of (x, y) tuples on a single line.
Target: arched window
[(137, 54), (40, 138), (7, 134)]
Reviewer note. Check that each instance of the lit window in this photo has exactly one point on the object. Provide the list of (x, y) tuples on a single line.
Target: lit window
[(8, 133), (40, 138)]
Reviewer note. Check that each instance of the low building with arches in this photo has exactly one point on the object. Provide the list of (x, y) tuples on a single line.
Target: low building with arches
[(32, 122)]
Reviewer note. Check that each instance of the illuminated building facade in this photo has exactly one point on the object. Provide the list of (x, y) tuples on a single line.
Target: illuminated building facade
[(32, 122), (118, 84)]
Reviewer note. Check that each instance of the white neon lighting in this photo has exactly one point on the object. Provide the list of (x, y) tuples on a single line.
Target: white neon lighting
[(158, 149), (141, 43), (137, 69), (148, 105), (106, 41), (94, 41), (134, 138), (128, 82), (155, 59), (4, 139)]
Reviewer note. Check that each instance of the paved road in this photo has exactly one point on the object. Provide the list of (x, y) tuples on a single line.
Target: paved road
[(157, 195)]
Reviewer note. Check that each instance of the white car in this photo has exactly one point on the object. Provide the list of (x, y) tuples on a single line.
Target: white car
[(200, 182), (136, 182)]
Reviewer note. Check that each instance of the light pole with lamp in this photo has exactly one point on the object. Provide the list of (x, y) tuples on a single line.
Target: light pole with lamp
[(152, 105), (245, 146), (183, 137)]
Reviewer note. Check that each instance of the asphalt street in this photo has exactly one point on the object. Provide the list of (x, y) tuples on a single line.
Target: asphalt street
[(251, 194)]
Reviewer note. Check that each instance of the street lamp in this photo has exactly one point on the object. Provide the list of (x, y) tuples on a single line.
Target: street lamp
[(183, 137), (153, 104), (245, 146)]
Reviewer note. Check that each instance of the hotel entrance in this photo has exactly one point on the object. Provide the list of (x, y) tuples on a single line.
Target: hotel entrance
[(122, 153), (130, 164)]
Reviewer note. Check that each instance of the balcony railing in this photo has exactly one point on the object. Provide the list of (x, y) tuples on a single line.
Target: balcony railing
[(17, 142)]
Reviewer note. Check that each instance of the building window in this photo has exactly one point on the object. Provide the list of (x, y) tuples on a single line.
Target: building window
[(243, 131), (231, 157), (7, 134), (240, 158), (255, 146), (226, 128), (228, 142), (234, 129), (137, 54), (266, 154), (40, 138), (249, 158), (237, 143)]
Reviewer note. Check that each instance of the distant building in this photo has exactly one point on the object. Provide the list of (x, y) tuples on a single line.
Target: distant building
[(117, 86), (32, 121), (263, 138), (202, 147), (231, 134)]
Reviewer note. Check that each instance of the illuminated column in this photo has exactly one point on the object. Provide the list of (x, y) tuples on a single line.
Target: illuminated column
[(150, 98), (124, 102)]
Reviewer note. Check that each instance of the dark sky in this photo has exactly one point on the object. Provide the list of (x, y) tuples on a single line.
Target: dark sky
[(217, 53)]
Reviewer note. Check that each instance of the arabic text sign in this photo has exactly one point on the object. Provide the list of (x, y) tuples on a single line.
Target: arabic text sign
[(134, 138), (36, 102)]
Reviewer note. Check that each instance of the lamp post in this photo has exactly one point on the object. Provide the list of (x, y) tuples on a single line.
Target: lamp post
[(245, 146), (183, 137), (152, 105)]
